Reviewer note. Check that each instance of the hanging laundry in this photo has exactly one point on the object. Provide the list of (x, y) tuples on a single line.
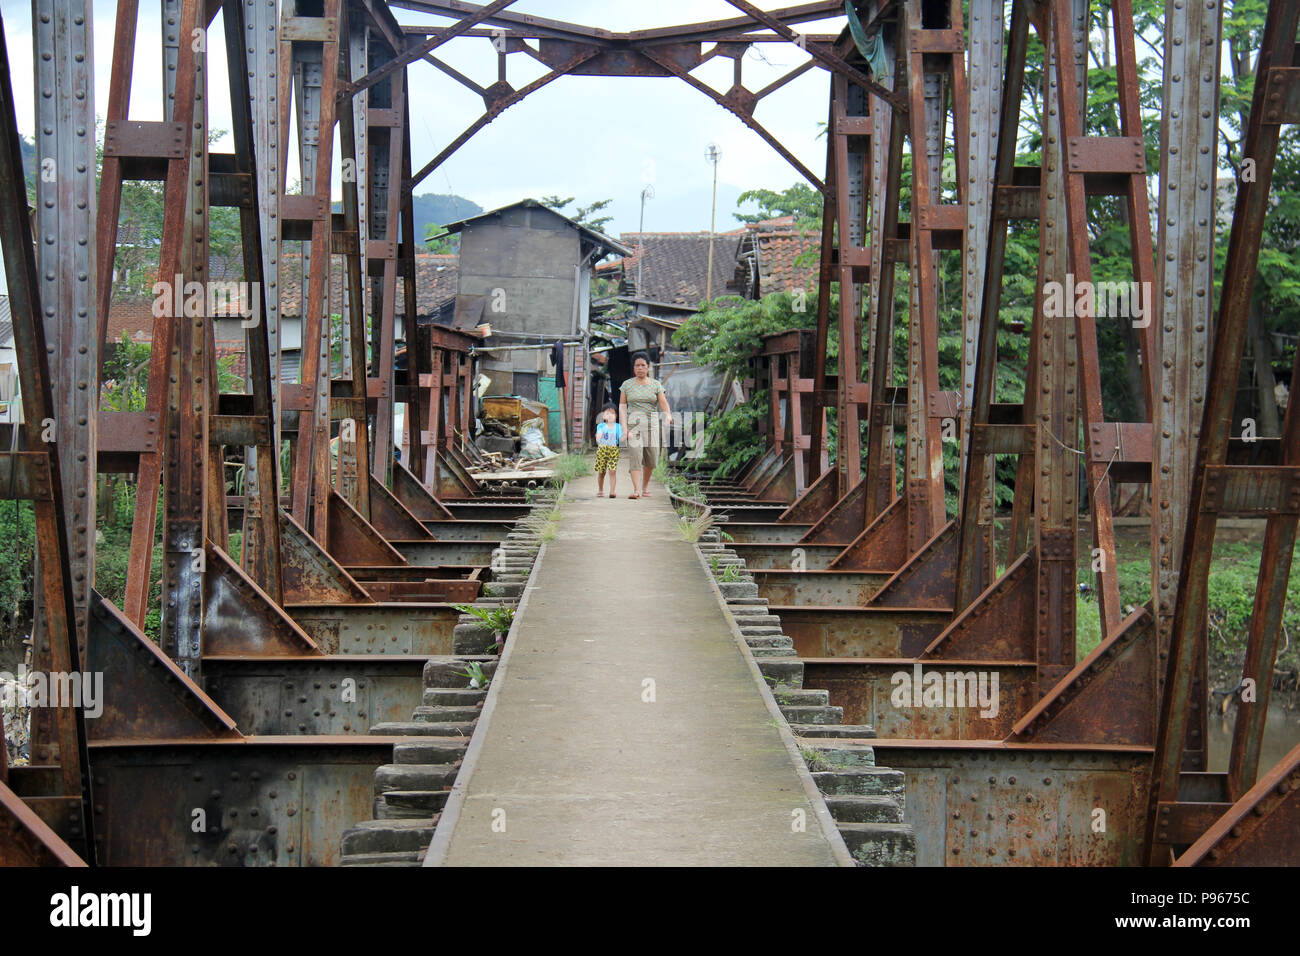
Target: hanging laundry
[(557, 359)]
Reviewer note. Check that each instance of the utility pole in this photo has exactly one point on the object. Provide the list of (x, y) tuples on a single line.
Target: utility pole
[(712, 154), (647, 193)]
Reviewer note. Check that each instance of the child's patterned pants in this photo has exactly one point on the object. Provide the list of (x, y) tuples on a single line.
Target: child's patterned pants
[(606, 458)]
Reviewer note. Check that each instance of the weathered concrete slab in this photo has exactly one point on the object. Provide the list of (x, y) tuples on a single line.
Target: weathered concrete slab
[(578, 765)]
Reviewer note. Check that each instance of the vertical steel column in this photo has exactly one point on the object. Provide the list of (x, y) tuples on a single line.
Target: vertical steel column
[(935, 68), (310, 48), (419, 460), (1121, 158), (985, 41), (188, 514), (825, 276), (971, 579), (851, 134), (62, 35), (886, 170), (1055, 489), (1185, 285), (388, 132), (430, 384), (354, 444), (1269, 491), (132, 142), (261, 556), (354, 150), (260, 43), (65, 221)]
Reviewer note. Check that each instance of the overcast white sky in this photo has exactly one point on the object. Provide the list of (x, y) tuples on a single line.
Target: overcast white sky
[(588, 137)]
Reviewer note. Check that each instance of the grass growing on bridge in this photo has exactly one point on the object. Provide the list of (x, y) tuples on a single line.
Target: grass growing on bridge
[(543, 520), (565, 468), (694, 526), (498, 619)]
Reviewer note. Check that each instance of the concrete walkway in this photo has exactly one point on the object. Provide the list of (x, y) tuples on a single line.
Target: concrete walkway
[(578, 768)]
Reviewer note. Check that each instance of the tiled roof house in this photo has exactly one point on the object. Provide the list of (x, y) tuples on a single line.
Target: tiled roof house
[(756, 260)]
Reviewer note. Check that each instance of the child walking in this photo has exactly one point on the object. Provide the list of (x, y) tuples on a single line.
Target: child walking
[(609, 434)]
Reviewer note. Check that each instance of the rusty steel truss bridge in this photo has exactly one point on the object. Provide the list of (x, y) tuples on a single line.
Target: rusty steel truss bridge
[(351, 563)]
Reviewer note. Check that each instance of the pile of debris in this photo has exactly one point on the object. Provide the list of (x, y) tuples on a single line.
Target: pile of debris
[(513, 427), (511, 446)]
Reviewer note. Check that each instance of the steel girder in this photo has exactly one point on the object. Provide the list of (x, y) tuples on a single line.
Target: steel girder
[(880, 531), (1102, 702), (188, 421), (1255, 821), (212, 608), (54, 815), (1024, 620)]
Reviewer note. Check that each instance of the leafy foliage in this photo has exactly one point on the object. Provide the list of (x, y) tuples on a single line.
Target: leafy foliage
[(800, 200), (725, 335), (498, 619), (18, 539), (582, 215), (727, 332), (473, 672), (440, 242)]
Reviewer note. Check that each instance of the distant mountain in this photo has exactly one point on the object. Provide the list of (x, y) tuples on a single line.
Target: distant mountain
[(432, 208)]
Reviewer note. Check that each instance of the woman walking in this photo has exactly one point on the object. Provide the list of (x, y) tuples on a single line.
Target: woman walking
[(642, 399)]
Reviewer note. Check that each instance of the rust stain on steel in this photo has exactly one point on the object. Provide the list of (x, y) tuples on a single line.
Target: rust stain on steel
[(64, 535), (843, 521), (306, 695), (762, 532), (353, 540), (819, 497), (461, 592), (988, 804), (780, 556), (266, 802), (1106, 698), (415, 497), (881, 546), (432, 554), (927, 579), (1260, 829), (1182, 714), (817, 588), (880, 693), (29, 840), (860, 632), (470, 529), (999, 625), (239, 618), (311, 575), (406, 628), (146, 695)]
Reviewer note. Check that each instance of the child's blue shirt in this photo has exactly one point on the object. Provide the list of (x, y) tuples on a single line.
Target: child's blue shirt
[(607, 434)]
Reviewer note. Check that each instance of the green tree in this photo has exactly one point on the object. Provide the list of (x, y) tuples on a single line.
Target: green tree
[(440, 242), (725, 335), (800, 200), (126, 376), (582, 215)]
